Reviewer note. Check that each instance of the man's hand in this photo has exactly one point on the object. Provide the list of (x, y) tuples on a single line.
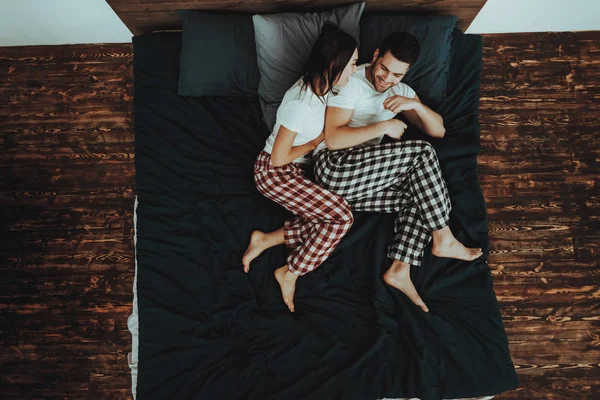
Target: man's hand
[(395, 128), (397, 104)]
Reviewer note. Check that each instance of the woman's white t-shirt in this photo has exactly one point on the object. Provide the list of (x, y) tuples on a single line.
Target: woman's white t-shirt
[(303, 112)]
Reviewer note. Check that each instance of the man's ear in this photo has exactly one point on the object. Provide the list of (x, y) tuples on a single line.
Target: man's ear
[(375, 55)]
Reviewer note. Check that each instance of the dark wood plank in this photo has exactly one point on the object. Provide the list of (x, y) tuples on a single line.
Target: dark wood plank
[(539, 171), (145, 16), (67, 190)]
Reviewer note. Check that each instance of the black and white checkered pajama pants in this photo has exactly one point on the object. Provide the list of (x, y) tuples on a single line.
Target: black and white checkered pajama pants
[(400, 177)]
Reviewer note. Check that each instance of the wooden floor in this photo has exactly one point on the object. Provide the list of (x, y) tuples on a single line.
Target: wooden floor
[(67, 191)]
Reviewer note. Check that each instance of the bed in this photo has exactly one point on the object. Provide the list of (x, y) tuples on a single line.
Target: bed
[(203, 329)]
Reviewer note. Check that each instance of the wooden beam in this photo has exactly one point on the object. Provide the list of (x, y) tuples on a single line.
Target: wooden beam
[(145, 16)]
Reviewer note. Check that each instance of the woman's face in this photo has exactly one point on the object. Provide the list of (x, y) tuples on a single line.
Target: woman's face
[(348, 71)]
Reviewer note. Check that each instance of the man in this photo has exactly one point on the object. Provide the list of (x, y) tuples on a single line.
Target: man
[(399, 177)]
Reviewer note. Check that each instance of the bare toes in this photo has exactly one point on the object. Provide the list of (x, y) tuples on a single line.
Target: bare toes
[(415, 298), (255, 248), (476, 253), (290, 305), (246, 262), (406, 286)]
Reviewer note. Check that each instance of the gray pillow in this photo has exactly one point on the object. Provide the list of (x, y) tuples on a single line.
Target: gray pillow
[(218, 55), (283, 43), (428, 76)]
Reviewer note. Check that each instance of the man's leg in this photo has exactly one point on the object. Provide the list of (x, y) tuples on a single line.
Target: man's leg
[(404, 177), (406, 247), (430, 194), (410, 235), (361, 172), (409, 170)]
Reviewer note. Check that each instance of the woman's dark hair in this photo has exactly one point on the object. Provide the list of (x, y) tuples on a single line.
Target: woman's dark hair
[(329, 56), (404, 47)]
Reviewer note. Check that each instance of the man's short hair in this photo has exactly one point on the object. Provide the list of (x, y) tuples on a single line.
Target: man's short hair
[(403, 46)]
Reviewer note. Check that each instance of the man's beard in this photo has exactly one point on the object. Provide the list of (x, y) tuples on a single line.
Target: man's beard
[(373, 80)]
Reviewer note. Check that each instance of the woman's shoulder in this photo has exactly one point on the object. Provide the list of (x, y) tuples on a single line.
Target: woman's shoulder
[(298, 92), (295, 106)]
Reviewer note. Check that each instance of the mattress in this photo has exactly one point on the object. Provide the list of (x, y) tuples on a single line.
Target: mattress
[(203, 329)]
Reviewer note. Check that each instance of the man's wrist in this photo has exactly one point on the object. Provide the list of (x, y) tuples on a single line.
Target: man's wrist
[(418, 106), (383, 127)]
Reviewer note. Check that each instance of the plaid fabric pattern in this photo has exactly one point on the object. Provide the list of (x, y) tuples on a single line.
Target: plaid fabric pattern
[(401, 177), (323, 218), (295, 231)]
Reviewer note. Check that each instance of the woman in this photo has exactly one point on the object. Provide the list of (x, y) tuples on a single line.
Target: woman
[(323, 218)]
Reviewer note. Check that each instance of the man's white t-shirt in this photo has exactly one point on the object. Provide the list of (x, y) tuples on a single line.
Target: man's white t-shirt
[(303, 112), (360, 95)]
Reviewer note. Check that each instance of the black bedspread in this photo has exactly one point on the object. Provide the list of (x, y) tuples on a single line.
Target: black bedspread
[(209, 331)]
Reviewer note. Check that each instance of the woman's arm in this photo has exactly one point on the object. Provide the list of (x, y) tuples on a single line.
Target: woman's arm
[(284, 151)]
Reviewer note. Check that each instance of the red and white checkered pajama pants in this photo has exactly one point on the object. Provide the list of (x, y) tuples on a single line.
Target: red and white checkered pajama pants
[(322, 217)]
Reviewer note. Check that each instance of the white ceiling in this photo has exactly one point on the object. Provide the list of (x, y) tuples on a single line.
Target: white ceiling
[(40, 22), (43, 22), (502, 16)]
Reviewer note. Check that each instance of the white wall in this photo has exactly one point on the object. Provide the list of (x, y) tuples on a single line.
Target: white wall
[(39, 22), (499, 16)]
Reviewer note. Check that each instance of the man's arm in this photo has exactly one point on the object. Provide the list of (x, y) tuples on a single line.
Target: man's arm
[(338, 135), (418, 114)]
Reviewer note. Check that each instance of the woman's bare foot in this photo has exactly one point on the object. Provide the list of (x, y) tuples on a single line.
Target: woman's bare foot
[(398, 276), (287, 282), (258, 244), (446, 245)]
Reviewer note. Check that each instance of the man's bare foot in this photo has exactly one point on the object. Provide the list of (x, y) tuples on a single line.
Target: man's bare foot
[(258, 244), (287, 282), (456, 249), (446, 245), (398, 276)]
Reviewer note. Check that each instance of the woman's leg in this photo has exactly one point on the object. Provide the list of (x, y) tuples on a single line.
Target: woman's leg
[(327, 217), (259, 242), (293, 233)]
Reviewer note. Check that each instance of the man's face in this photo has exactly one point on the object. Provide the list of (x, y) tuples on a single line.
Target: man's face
[(386, 71)]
